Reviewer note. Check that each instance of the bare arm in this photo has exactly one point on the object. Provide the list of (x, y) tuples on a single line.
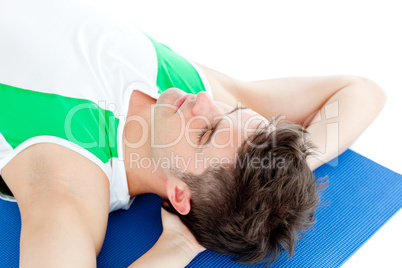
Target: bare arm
[(64, 203), (343, 117), (175, 248), (334, 109)]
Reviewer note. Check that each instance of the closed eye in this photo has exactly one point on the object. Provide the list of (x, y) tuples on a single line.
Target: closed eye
[(202, 134), (213, 129)]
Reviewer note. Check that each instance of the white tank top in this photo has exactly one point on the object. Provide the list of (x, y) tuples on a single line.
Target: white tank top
[(67, 72)]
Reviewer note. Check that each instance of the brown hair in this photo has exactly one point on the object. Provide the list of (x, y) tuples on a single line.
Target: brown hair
[(254, 211)]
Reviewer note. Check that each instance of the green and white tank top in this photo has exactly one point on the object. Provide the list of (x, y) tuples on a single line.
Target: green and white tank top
[(67, 72)]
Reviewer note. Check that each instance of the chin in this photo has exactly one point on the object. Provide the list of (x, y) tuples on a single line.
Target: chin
[(170, 96)]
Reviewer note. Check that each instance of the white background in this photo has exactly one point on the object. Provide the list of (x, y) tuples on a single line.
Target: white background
[(253, 40)]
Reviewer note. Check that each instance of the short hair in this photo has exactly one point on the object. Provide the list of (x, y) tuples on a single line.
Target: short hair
[(252, 211)]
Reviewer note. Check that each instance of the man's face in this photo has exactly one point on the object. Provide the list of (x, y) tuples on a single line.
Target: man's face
[(193, 132)]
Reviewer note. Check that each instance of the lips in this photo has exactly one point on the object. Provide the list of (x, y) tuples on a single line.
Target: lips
[(180, 101)]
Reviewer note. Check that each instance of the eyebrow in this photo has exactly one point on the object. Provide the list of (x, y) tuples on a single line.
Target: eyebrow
[(217, 124)]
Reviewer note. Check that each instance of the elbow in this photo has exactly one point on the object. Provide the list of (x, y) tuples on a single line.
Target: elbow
[(373, 92), (378, 94), (381, 98)]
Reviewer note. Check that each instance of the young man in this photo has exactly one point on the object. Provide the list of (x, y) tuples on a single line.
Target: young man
[(93, 112)]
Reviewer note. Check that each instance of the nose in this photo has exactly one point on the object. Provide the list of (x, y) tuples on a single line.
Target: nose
[(203, 104)]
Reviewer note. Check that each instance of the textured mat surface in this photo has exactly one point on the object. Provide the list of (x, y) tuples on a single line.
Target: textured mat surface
[(360, 198)]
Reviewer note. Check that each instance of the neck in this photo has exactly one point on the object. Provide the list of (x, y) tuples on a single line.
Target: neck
[(143, 175)]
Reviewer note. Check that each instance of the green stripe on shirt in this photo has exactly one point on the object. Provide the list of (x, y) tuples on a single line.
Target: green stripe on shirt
[(25, 114), (175, 71)]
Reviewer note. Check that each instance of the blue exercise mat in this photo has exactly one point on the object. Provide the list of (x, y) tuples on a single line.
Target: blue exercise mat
[(361, 196)]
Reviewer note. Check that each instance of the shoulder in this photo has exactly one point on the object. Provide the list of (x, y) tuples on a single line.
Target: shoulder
[(48, 167), (51, 182)]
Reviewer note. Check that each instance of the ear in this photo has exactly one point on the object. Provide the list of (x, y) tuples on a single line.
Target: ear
[(178, 194)]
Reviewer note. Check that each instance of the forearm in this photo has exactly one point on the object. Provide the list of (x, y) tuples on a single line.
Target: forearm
[(295, 98), (343, 118), (356, 100), (334, 109), (168, 252)]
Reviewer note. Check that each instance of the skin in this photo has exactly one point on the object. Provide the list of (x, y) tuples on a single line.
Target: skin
[(211, 131), (64, 197)]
